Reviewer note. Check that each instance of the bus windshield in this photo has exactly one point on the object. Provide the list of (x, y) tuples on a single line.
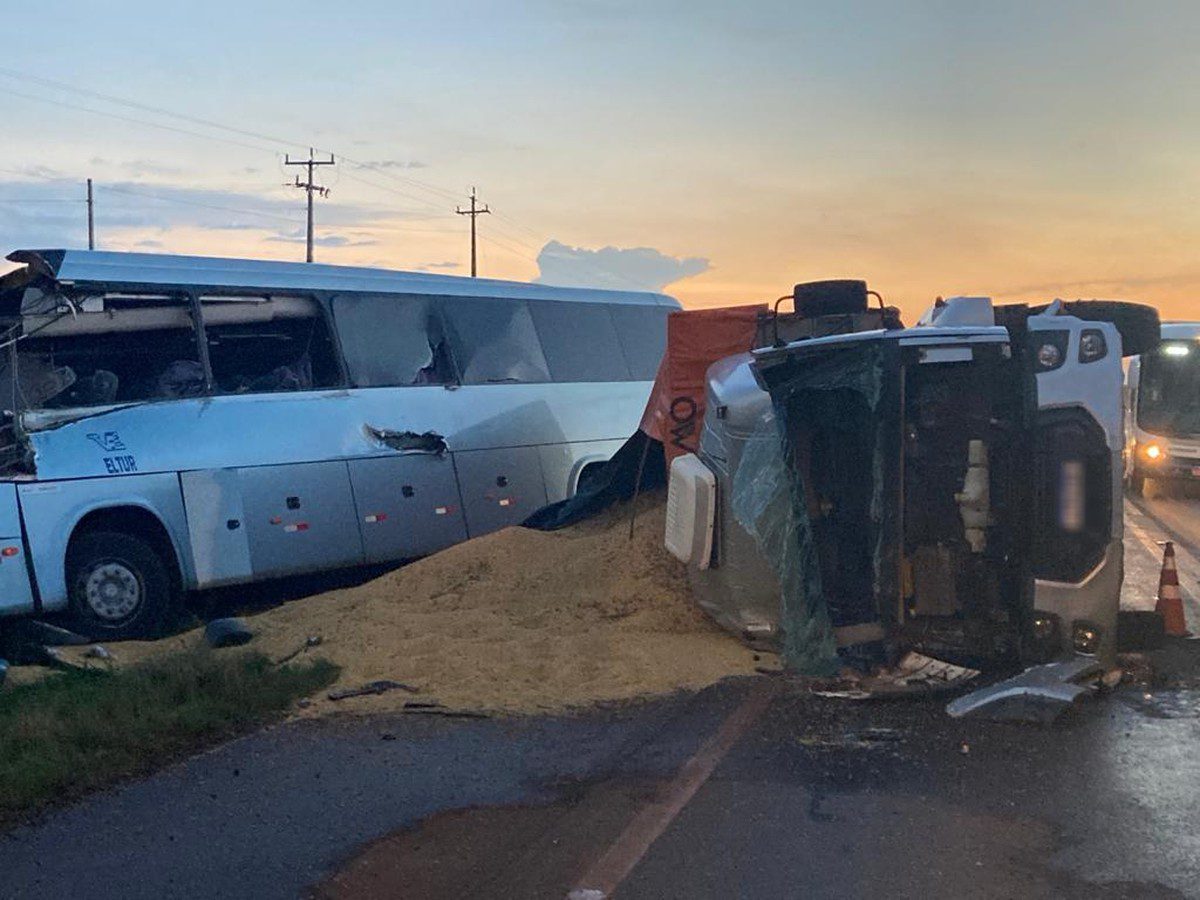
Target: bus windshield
[(1169, 390)]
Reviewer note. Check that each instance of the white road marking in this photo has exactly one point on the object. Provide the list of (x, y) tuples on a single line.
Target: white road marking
[(607, 873)]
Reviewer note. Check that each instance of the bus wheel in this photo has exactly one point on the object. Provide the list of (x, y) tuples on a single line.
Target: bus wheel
[(119, 587)]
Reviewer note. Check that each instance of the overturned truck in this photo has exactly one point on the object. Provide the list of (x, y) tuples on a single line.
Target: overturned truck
[(860, 488)]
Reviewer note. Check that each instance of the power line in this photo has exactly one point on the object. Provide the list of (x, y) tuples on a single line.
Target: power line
[(310, 187), (474, 213)]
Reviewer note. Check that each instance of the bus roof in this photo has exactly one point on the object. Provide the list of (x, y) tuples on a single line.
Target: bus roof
[(109, 271)]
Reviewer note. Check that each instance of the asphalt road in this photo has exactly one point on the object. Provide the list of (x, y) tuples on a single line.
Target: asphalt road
[(749, 789)]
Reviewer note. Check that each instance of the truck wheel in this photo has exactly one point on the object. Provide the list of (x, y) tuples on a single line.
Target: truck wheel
[(119, 587)]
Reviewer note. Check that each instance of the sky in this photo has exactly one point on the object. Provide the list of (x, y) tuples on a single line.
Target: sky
[(720, 152)]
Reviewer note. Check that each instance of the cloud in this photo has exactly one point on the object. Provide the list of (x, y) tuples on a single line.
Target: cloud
[(447, 264), (633, 268), (49, 212), (297, 236), (137, 168), (393, 164)]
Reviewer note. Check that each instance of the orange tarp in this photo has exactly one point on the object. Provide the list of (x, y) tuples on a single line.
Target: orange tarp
[(696, 338)]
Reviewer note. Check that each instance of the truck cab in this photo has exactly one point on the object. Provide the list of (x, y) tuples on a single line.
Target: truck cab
[(953, 487)]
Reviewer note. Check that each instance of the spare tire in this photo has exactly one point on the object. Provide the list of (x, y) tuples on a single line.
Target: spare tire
[(1137, 323)]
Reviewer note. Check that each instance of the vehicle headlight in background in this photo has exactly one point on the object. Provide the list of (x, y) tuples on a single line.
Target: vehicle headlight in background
[(1176, 349), (1153, 452), (1086, 636), (1049, 356), (1092, 345)]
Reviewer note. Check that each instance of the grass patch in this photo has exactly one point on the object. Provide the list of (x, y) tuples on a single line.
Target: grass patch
[(84, 729)]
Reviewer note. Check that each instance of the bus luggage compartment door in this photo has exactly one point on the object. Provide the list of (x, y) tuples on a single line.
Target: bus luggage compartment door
[(499, 487), (300, 517), (217, 528), (407, 505), (16, 593)]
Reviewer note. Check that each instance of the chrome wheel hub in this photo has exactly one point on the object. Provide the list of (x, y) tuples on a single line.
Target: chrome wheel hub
[(113, 591)]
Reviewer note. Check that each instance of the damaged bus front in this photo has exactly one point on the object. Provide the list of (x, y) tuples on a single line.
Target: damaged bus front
[(862, 488)]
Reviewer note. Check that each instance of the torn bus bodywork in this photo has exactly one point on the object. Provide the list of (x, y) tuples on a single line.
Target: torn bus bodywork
[(861, 489)]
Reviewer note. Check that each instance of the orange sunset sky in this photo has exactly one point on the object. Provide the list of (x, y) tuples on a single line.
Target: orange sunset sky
[(718, 152)]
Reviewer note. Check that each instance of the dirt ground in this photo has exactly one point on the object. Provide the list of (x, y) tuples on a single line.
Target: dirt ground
[(517, 621)]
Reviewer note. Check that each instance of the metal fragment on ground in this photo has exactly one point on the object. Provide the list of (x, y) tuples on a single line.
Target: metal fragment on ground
[(370, 688), (916, 673), (1039, 694)]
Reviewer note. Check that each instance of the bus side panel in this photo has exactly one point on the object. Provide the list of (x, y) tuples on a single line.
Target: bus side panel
[(300, 518), (219, 536), (16, 593), (562, 463), (407, 505), (53, 509), (499, 487)]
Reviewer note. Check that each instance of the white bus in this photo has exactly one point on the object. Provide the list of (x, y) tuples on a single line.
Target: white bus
[(1163, 410), (176, 423)]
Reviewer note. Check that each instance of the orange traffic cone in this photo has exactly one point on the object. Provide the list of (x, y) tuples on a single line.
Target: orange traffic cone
[(1170, 601)]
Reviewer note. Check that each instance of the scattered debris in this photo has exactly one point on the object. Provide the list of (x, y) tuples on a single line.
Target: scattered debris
[(1039, 694), (98, 651), (964, 748), (33, 631), (313, 640), (228, 633), (914, 674), (1112, 678), (422, 704), (371, 687), (446, 713)]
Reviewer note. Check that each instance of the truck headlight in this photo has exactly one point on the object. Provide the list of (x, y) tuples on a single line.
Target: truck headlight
[(1049, 356), (1153, 452), (1085, 637), (1092, 345)]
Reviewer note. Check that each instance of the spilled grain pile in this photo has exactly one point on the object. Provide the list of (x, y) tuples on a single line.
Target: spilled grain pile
[(519, 620)]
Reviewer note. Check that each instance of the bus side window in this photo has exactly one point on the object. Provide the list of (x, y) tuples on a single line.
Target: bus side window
[(494, 341), (643, 334), (580, 341), (278, 345), (391, 340)]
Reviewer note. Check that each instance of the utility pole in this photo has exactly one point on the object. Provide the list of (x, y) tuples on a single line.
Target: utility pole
[(474, 213), (310, 187), (91, 218)]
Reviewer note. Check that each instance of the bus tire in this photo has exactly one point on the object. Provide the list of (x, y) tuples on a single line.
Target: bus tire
[(119, 587)]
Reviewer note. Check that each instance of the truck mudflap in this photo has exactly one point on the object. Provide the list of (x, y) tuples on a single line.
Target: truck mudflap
[(16, 592)]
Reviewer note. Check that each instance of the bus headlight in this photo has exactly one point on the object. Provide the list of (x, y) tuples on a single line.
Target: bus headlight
[(1085, 637), (1092, 345), (1153, 452)]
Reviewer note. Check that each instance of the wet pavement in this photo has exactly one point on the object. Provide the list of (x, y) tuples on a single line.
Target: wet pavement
[(814, 798)]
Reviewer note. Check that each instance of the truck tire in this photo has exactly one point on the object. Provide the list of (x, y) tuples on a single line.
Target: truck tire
[(119, 587), (1137, 323)]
